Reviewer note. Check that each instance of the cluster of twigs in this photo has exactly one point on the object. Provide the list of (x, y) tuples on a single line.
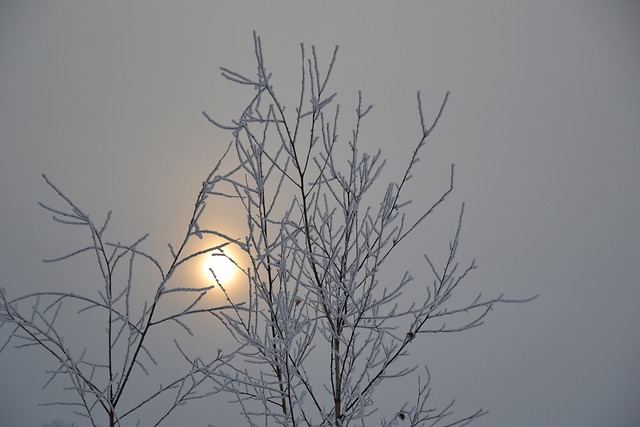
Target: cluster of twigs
[(101, 380), (322, 329), (316, 249)]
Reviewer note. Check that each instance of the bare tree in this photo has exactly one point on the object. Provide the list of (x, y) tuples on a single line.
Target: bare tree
[(322, 331), (322, 327), (102, 374)]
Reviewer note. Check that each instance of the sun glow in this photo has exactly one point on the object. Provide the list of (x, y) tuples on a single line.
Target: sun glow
[(218, 263)]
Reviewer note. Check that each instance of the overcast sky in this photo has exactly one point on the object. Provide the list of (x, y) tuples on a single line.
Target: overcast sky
[(543, 125)]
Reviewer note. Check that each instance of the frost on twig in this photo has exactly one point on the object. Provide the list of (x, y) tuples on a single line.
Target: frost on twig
[(324, 326), (101, 375), (420, 414), (322, 330)]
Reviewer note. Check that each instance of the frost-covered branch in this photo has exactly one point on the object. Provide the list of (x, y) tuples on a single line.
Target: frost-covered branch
[(102, 371), (324, 326), (323, 329)]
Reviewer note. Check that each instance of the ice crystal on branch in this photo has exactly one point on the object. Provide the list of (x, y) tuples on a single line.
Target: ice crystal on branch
[(321, 332)]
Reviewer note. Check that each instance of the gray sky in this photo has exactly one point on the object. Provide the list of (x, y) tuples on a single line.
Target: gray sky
[(543, 125)]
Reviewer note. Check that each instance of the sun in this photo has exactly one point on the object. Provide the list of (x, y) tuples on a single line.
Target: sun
[(221, 265)]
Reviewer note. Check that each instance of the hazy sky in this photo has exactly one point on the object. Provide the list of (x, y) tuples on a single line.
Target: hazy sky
[(543, 125)]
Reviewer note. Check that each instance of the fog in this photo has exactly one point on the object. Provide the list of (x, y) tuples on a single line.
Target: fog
[(542, 124)]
